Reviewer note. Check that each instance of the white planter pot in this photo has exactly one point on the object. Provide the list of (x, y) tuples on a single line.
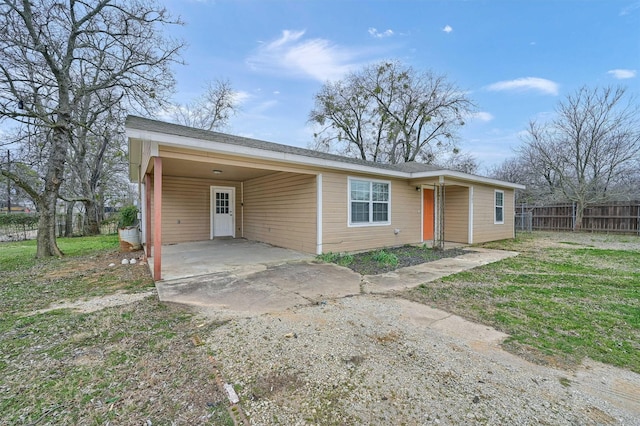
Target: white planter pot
[(129, 239)]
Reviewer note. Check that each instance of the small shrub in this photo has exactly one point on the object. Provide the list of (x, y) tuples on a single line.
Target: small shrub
[(345, 259), (385, 258), (128, 216), (342, 259)]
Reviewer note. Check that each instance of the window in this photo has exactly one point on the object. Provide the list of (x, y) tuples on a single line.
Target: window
[(222, 203), (499, 207), (369, 202)]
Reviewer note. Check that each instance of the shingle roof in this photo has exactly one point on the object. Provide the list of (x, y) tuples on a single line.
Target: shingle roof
[(147, 124)]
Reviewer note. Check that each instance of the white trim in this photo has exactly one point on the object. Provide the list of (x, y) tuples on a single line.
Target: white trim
[(452, 174), (421, 213), (265, 154), (143, 212), (319, 213), (154, 149), (370, 223), (470, 215), (495, 205), (256, 153), (232, 204), (241, 209)]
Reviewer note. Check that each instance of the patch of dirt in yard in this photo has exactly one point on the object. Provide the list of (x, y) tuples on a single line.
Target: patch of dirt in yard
[(365, 264), (581, 240), (94, 266), (96, 303)]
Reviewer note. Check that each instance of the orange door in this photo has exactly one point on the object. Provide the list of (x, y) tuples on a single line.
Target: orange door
[(427, 214)]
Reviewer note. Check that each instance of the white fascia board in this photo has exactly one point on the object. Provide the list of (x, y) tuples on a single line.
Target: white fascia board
[(264, 154), (256, 153), (466, 176)]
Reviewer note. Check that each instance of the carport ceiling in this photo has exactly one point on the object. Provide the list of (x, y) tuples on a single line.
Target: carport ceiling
[(202, 170)]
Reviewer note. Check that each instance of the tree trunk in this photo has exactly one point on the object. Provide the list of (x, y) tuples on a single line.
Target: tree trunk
[(579, 215), (68, 221), (47, 245), (92, 218)]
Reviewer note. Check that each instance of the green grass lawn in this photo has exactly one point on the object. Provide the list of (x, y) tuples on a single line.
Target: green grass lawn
[(120, 365), (560, 303)]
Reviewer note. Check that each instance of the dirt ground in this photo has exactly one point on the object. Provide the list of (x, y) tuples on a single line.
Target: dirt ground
[(252, 354), (183, 374)]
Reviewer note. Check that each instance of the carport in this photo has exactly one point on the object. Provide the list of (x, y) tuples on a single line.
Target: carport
[(230, 256)]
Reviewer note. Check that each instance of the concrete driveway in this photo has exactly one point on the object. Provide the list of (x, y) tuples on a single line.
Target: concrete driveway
[(254, 278)]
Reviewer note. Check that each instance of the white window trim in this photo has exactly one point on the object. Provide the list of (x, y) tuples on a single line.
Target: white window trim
[(495, 206), (370, 223)]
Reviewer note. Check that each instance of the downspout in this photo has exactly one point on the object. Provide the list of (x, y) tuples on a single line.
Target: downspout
[(421, 190), (319, 213), (470, 239), (242, 209), (141, 205), (438, 241)]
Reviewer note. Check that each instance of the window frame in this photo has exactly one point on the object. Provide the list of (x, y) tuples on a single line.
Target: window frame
[(496, 207), (371, 202)]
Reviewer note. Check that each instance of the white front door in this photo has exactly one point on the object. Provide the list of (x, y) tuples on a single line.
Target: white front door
[(222, 204)]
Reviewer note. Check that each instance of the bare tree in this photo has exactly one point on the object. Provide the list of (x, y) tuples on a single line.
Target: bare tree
[(589, 148), (210, 111), (459, 161), (391, 113), (541, 182), (56, 54), (95, 158)]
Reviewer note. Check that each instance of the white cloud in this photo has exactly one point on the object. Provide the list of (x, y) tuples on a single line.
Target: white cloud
[(262, 107), (630, 9), (375, 33), (240, 97), (315, 58), (622, 74), (482, 116), (447, 29), (542, 85)]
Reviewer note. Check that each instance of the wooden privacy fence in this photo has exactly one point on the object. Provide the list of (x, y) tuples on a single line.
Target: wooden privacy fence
[(614, 217)]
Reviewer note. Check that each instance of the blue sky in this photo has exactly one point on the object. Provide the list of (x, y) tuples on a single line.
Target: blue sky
[(515, 58)]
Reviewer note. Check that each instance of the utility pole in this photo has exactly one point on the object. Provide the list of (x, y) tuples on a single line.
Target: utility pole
[(8, 182)]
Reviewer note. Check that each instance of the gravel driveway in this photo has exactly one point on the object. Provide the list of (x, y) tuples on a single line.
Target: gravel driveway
[(372, 359), (377, 359)]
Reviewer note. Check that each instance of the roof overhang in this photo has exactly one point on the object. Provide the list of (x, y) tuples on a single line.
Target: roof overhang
[(163, 139), (466, 177), (136, 138)]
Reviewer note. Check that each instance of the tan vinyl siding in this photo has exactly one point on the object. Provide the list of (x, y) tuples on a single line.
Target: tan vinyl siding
[(339, 237), (280, 209), (456, 214), (187, 201), (484, 228)]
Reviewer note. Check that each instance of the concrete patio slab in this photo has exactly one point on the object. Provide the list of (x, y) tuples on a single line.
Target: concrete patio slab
[(228, 255), (275, 288), (250, 278)]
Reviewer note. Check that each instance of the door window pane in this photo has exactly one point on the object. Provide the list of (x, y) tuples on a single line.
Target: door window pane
[(222, 203)]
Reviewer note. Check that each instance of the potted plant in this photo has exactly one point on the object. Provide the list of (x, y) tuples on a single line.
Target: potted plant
[(128, 229)]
